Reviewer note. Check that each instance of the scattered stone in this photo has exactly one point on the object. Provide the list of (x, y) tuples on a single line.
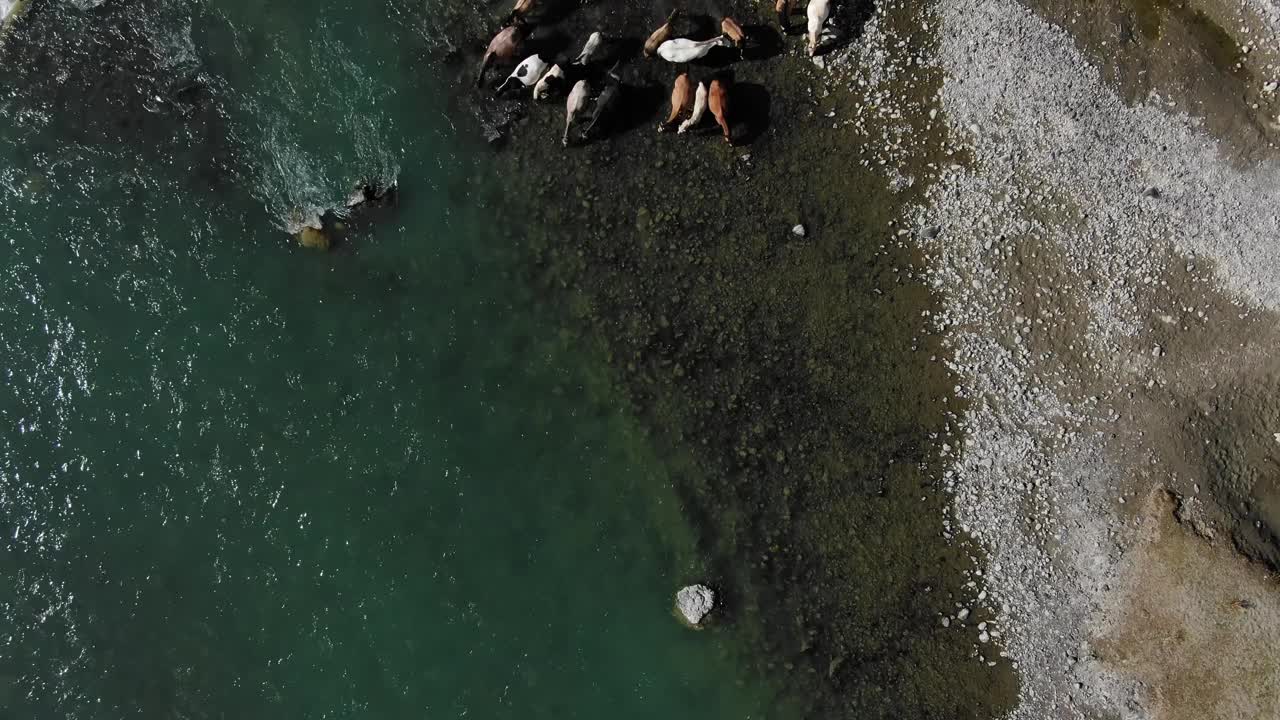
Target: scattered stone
[(901, 182), (1151, 191), (694, 602), (798, 231)]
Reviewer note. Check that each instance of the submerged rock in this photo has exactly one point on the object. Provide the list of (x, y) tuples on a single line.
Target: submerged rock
[(309, 237), (694, 602), (10, 9), (492, 135)]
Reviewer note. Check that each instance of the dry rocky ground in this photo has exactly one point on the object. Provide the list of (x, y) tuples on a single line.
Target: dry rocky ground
[(1106, 242)]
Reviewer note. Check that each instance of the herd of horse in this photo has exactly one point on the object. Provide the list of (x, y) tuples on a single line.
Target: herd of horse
[(689, 101)]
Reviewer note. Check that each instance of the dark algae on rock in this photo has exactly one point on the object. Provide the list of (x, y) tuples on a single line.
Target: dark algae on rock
[(791, 381)]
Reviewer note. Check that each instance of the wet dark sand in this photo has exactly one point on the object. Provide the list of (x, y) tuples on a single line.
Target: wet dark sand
[(792, 380)]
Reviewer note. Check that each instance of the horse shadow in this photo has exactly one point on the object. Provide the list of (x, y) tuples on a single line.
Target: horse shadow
[(720, 57), (762, 42), (550, 12), (849, 21), (697, 26), (547, 42), (621, 49), (637, 106), (751, 104)]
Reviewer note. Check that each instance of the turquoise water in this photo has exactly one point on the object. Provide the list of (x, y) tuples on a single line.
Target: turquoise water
[(239, 479)]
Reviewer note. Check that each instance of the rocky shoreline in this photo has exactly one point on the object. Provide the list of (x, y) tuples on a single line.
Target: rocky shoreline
[(1077, 240)]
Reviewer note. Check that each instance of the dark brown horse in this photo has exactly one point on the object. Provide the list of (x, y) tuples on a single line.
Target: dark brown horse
[(502, 48)]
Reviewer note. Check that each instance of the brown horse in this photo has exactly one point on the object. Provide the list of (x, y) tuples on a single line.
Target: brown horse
[(660, 35), (502, 48), (521, 10), (681, 101), (718, 102), (732, 30), (783, 8)]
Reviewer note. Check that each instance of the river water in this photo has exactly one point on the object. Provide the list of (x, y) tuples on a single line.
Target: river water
[(241, 479)]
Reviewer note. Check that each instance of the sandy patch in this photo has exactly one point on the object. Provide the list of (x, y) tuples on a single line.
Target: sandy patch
[(1193, 624)]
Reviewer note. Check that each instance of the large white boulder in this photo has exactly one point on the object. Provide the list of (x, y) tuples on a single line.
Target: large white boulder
[(694, 602)]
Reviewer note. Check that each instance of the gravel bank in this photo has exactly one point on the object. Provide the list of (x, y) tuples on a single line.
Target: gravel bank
[(1071, 236), (1054, 247)]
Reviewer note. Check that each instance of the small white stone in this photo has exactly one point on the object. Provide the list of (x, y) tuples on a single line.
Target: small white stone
[(798, 231)]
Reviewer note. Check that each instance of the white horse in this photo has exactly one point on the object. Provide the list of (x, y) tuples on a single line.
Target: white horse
[(548, 83), (527, 73), (683, 50), (591, 50), (818, 12), (699, 107), (574, 105)]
